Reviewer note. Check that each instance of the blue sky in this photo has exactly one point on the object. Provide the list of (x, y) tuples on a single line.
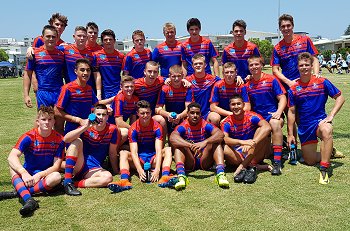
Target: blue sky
[(26, 18)]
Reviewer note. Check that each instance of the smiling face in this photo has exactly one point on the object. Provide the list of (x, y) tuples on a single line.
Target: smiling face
[(305, 67), (255, 66), (108, 42), (92, 34), (194, 32), (83, 72), (102, 115), (230, 74), (128, 88), (238, 33), (169, 34), (286, 28), (144, 115), (139, 42), (176, 79), (59, 25), (236, 106), (45, 123), (151, 73), (198, 65)]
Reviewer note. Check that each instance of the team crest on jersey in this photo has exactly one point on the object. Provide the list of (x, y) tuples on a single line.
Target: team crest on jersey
[(298, 45), (143, 88), (194, 81), (92, 135), (36, 143), (235, 127), (188, 46), (314, 86), (136, 56), (263, 83), (232, 51), (171, 93), (42, 53), (103, 57), (223, 88), (166, 48), (189, 130), (298, 88), (71, 51), (283, 48), (78, 91)]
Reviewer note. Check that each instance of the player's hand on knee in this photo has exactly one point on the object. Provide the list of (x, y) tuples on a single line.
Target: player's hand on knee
[(28, 179), (275, 115), (28, 102), (328, 119)]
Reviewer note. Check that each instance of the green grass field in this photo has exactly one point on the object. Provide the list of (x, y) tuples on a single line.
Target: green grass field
[(292, 201)]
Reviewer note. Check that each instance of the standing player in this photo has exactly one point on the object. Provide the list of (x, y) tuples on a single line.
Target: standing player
[(202, 85), (197, 145), (47, 64), (146, 143), (76, 98), (135, 61), (78, 50), (307, 98), (196, 44), (240, 49), (168, 53), (108, 65), (246, 141), (43, 150), (224, 89), (125, 106), (285, 53), (267, 97), (90, 145), (173, 97), (92, 35)]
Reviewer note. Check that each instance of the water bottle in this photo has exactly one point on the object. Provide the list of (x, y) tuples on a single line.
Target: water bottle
[(93, 119), (293, 155), (147, 169), (173, 115)]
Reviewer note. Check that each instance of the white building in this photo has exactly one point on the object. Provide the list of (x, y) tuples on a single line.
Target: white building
[(327, 44)]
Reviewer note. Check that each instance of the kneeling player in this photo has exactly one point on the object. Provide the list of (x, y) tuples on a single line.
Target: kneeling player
[(307, 98), (246, 141), (146, 142), (197, 145), (90, 145), (43, 150)]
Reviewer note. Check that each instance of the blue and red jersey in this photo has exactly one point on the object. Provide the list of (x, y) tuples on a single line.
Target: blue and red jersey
[(76, 101), (39, 41), (149, 92), (263, 94), (109, 66), (135, 62), (310, 98), (96, 143), (72, 54), (39, 152), (48, 66), (201, 131), (125, 107), (202, 46), (200, 91), (173, 98), (95, 48), (222, 93), (239, 56), (285, 55), (167, 56), (242, 129), (145, 137)]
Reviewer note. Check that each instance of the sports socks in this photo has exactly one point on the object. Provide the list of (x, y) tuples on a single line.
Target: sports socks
[(41, 186), (180, 168), (277, 153), (324, 165), (124, 174), (68, 173), (80, 184), (220, 168), (21, 189), (166, 171)]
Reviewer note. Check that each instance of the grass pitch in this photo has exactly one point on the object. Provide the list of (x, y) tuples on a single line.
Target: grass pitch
[(292, 201)]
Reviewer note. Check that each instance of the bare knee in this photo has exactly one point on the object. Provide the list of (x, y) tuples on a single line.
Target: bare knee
[(106, 178), (53, 179)]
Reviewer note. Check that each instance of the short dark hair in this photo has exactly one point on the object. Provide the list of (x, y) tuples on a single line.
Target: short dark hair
[(126, 78), (239, 23), (305, 55), (193, 22), (79, 61), (254, 56), (92, 25), (60, 17), (285, 17), (100, 106), (49, 27), (143, 104), (108, 32), (193, 104), (228, 65), (138, 32), (236, 96)]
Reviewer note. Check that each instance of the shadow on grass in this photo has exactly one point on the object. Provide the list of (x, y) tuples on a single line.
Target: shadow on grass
[(202, 175), (334, 165)]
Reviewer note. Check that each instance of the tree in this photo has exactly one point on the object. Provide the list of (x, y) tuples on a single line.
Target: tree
[(3, 55), (265, 48), (347, 31)]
